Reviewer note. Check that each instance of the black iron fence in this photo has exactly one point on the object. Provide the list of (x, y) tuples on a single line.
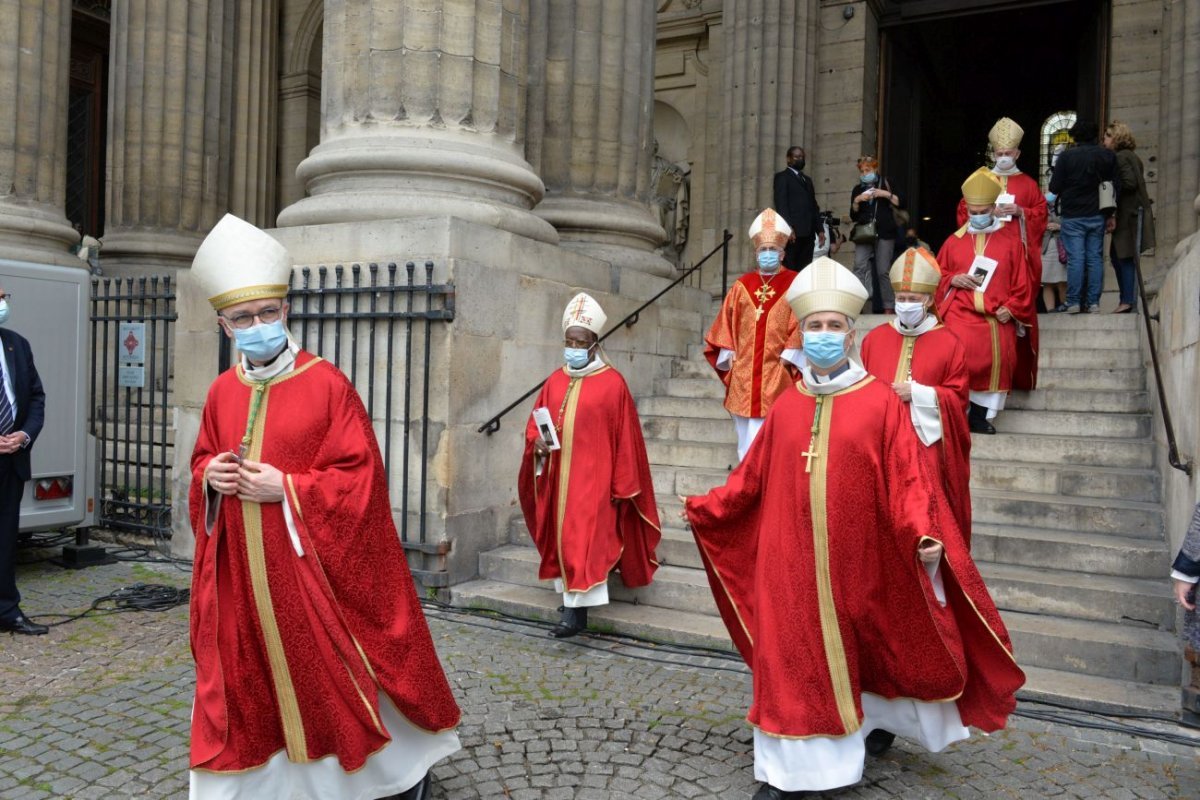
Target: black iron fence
[(377, 324), (132, 331)]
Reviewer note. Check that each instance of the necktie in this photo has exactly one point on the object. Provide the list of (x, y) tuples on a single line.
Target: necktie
[(6, 412)]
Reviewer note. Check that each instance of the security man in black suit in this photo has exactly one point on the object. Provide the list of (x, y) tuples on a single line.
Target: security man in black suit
[(22, 410), (796, 202)]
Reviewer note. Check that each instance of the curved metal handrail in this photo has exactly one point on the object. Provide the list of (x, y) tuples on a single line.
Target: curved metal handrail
[(493, 424), (1172, 448)]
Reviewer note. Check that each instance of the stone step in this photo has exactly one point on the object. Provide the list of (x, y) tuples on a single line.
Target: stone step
[(1097, 694), (677, 548), (691, 454), (1092, 515), (671, 480), (1107, 598), (693, 368), (1087, 553), (1079, 400), (1075, 423), (662, 406), (1056, 338), (145, 454), (1111, 325), (702, 388), (669, 625), (679, 318), (1118, 483), (1103, 649), (1131, 379), (673, 587), (1052, 354), (685, 429), (1073, 450)]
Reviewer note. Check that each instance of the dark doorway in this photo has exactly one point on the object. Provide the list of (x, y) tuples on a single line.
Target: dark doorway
[(951, 68), (87, 117)]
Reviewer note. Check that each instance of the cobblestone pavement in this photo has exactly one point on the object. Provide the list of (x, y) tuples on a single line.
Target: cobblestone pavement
[(99, 709)]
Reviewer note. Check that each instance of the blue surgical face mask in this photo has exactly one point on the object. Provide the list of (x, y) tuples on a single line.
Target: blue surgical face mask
[(869, 177), (824, 348), (577, 357), (768, 260), (980, 221), (3, 311), (262, 342), (1051, 197)]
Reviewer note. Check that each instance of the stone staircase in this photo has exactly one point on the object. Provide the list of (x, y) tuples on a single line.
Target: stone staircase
[(1068, 524)]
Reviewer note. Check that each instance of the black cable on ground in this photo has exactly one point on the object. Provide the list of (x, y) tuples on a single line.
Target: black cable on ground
[(138, 597)]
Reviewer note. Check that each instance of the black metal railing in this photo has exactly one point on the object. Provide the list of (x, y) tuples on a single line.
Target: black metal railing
[(353, 317), (493, 424), (1172, 447), (132, 332)]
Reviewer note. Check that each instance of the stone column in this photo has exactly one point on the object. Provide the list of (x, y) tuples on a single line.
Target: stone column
[(591, 114), (1179, 170), (769, 84), (35, 49), (423, 114), (168, 129), (252, 195)]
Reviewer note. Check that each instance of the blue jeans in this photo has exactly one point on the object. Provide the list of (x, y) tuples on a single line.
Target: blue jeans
[(1083, 237), (1126, 278)]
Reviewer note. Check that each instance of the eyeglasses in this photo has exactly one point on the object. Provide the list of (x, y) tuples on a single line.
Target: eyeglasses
[(5, 295), (264, 315), (582, 345)]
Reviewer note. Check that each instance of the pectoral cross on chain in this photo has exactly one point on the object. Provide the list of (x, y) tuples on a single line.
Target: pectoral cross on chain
[(812, 451), (810, 454)]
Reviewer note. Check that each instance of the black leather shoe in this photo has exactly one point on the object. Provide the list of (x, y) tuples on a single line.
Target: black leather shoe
[(573, 621), (977, 420), (422, 791), (769, 792), (878, 741), (22, 624)]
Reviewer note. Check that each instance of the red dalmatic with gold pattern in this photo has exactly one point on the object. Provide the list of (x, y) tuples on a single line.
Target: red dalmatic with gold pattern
[(811, 552), (292, 650), (757, 325), (591, 507), (936, 359), (990, 345)]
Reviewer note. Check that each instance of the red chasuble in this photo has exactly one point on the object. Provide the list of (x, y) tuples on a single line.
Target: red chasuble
[(990, 345), (935, 359), (757, 376), (292, 651), (1029, 197), (817, 577), (592, 507)]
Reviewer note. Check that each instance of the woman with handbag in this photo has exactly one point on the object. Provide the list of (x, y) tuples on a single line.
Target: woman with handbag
[(1124, 245), (873, 208)]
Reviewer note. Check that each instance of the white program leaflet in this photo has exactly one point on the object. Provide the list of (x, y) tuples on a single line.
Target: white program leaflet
[(983, 267), (545, 426), (1006, 199)]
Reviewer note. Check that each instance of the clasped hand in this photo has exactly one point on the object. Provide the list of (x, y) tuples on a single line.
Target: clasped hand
[(965, 281), (12, 442), (250, 481), (930, 553)]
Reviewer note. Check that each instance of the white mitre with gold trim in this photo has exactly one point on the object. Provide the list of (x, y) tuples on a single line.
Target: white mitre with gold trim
[(770, 228), (825, 285), (238, 262), (583, 311)]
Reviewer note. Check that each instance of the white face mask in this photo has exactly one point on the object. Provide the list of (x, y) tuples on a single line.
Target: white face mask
[(1005, 163), (910, 314)]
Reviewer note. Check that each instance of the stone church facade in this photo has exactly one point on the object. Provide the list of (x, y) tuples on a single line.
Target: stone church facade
[(530, 149)]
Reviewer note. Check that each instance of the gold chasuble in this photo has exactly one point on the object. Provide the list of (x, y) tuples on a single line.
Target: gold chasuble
[(811, 552)]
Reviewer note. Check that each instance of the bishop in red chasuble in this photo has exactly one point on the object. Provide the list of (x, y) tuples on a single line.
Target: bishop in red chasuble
[(585, 486), (755, 333), (925, 365), (842, 577), (1026, 205), (316, 675), (984, 296)]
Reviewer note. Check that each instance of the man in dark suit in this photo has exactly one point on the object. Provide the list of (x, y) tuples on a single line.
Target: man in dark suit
[(796, 202), (22, 409)]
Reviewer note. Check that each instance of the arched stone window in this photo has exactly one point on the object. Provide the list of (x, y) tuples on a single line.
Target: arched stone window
[(1054, 133)]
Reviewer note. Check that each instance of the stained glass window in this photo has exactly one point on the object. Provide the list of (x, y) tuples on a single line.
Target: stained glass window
[(1054, 134)]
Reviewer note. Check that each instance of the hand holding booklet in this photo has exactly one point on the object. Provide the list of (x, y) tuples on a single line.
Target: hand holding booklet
[(545, 426), (983, 267)]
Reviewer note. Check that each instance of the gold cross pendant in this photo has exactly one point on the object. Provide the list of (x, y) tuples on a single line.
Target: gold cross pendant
[(810, 454), (758, 312), (764, 293)]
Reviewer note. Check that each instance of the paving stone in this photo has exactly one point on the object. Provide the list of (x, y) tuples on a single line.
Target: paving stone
[(99, 709)]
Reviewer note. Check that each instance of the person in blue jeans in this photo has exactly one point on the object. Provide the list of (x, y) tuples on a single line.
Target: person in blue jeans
[(1075, 184)]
